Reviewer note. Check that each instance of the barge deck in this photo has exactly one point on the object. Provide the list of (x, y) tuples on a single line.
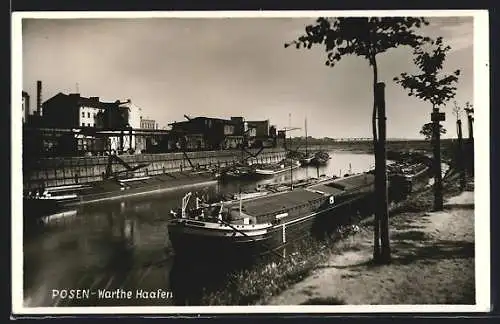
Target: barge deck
[(262, 224)]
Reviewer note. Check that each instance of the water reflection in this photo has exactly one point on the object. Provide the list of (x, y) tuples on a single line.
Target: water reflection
[(124, 244)]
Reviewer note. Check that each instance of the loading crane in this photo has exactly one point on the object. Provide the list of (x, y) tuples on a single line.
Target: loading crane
[(128, 168), (288, 130)]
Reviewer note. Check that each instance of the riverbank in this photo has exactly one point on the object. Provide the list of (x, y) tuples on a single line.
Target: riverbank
[(433, 260)]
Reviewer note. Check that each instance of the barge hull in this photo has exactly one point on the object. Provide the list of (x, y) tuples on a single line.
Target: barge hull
[(278, 236), (112, 190)]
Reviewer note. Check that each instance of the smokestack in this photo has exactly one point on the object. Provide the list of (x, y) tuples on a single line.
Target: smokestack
[(39, 97)]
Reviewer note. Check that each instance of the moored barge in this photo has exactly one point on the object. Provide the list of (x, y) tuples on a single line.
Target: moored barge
[(257, 226), (55, 199)]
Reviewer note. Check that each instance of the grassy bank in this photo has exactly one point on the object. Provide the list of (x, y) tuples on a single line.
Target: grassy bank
[(432, 259), (259, 284)]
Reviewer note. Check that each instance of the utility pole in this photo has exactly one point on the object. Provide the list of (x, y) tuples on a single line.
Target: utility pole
[(291, 166), (460, 157), (307, 154), (470, 118), (381, 174), (436, 117), (460, 149)]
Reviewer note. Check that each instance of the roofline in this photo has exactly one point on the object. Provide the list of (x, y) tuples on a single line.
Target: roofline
[(70, 95), (204, 117)]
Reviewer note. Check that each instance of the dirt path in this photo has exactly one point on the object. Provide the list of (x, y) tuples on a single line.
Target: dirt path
[(433, 263)]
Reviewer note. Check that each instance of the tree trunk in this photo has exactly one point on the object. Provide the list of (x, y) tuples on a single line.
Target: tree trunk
[(438, 185), (376, 223), (381, 176)]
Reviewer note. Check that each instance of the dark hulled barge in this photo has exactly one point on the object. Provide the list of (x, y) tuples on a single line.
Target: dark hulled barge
[(51, 200), (257, 226)]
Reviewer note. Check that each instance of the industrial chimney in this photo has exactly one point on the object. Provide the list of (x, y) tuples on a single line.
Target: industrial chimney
[(39, 97)]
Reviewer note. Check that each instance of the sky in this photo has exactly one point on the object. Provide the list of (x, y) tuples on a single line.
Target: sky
[(223, 67)]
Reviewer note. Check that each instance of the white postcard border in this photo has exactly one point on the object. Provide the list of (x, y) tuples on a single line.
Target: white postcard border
[(482, 176)]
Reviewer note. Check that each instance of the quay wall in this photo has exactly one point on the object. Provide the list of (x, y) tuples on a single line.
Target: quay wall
[(57, 171), (78, 170)]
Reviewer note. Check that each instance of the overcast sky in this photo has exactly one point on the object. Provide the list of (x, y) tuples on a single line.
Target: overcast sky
[(232, 67)]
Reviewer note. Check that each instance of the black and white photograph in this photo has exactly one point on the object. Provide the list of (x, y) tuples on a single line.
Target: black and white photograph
[(250, 162)]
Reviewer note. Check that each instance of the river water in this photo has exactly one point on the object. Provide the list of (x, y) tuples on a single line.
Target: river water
[(124, 243)]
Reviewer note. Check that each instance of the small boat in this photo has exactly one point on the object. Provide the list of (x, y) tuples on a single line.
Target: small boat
[(250, 194), (237, 171), (320, 158), (51, 199), (59, 193), (240, 172), (307, 160), (277, 168), (57, 216)]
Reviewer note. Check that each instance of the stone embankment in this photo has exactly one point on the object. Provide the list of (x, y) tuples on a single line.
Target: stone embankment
[(77, 170)]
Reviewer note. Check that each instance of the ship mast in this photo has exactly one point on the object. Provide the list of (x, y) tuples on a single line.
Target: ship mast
[(307, 154), (305, 125), (241, 203)]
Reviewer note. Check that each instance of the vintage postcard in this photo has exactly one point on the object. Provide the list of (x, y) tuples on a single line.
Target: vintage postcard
[(250, 162)]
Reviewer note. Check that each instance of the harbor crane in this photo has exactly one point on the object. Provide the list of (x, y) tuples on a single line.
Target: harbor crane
[(287, 130)]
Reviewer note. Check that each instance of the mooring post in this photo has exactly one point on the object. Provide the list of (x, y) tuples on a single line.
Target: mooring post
[(381, 174), (436, 117), (470, 119), (130, 140), (460, 156), (121, 141)]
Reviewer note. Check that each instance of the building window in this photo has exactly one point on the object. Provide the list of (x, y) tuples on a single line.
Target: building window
[(83, 124), (228, 129), (88, 124), (88, 115), (83, 114)]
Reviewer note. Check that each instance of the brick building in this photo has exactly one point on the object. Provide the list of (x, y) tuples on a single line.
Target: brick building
[(72, 111), (75, 111), (215, 133)]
